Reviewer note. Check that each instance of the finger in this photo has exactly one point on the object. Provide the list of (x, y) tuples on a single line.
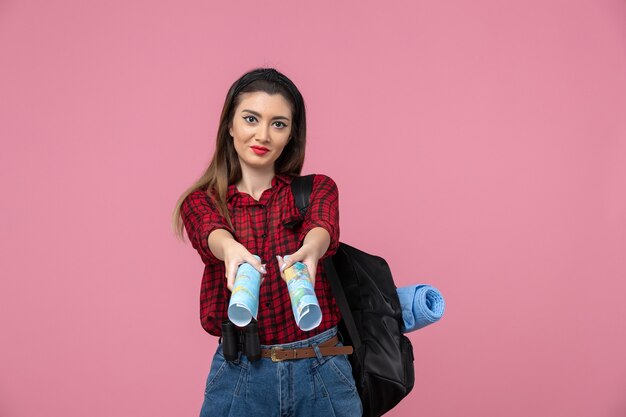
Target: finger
[(231, 274), (280, 263), (289, 260), (256, 264), (230, 281)]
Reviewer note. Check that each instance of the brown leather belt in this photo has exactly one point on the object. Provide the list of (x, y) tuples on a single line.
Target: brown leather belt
[(328, 348)]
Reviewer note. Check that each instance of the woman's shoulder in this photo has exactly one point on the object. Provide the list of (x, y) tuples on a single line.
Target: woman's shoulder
[(199, 196), (324, 179), (200, 192), (317, 177), (320, 181), (323, 183)]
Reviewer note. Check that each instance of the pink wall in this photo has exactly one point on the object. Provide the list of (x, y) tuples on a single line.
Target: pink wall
[(496, 131)]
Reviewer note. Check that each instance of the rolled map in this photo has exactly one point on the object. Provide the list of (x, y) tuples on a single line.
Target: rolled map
[(304, 304), (244, 300)]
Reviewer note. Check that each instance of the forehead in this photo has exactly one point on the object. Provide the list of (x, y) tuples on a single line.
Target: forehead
[(261, 102)]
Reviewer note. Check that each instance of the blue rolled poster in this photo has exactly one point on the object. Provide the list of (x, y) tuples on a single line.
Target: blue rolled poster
[(244, 300), (304, 304), (421, 305)]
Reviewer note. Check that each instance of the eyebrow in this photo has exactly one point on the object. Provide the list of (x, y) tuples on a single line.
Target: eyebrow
[(259, 115)]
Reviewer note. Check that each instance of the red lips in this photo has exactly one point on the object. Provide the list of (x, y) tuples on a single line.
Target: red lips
[(259, 150)]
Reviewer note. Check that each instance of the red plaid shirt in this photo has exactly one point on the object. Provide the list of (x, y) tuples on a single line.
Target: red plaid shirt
[(259, 227)]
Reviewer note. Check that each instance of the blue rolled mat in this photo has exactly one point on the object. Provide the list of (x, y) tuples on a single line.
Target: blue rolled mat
[(421, 305)]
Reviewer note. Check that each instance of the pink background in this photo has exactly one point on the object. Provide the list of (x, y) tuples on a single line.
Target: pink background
[(494, 130)]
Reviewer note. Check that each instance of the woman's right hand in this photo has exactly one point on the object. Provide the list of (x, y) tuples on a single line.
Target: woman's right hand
[(236, 254)]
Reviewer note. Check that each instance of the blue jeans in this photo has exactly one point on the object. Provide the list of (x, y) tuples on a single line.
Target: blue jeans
[(320, 386)]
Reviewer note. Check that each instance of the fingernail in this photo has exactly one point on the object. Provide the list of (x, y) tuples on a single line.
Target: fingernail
[(282, 267), (263, 269)]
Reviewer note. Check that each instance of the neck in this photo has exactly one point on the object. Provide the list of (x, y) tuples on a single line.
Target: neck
[(254, 183)]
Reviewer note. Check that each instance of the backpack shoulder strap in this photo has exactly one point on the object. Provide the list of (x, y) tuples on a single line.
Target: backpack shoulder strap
[(301, 187), (342, 303)]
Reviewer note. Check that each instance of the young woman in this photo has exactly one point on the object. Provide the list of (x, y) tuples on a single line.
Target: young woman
[(240, 208)]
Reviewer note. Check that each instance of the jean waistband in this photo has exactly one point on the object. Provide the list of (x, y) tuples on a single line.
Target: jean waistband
[(317, 339)]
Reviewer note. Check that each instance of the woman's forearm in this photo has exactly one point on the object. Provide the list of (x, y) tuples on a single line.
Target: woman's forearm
[(219, 239), (318, 239)]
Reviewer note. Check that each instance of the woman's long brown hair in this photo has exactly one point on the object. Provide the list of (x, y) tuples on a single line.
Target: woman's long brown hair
[(224, 168)]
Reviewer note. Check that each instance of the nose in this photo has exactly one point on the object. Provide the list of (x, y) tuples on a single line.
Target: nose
[(262, 133)]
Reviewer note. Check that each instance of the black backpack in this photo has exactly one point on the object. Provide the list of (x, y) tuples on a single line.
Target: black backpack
[(382, 363)]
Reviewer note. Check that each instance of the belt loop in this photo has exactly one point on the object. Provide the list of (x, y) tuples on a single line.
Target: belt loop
[(318, 353)]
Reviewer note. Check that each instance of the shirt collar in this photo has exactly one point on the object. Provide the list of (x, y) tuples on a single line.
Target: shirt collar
[(278, 180)]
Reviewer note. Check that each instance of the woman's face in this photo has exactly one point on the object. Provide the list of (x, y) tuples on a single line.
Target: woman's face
[(260, 129)]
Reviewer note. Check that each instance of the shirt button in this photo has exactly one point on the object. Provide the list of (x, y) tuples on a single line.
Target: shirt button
[(263, 235)]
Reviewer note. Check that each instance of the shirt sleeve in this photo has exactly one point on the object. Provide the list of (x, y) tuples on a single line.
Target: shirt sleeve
[(323, 212), (201, 217)]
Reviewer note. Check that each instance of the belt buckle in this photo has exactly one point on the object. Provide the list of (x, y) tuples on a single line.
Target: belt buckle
[(273, 351)]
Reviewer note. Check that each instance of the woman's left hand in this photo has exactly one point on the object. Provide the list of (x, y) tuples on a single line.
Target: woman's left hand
[(307, 254), (315, 245)]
